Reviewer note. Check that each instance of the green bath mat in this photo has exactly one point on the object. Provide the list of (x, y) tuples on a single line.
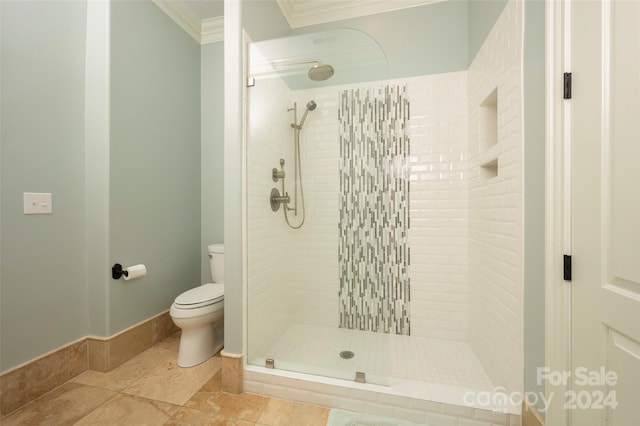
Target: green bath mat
[(339, 417)]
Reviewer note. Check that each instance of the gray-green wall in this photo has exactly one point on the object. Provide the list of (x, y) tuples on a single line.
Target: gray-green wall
[(534, 189), (263, 20), (431, 39), (43, 276), (420, 40), (155, 160), (212, 157), (483, 15), (148, 182)]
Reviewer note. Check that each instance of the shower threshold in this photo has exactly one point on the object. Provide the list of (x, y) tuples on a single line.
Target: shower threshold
[(402, 397)]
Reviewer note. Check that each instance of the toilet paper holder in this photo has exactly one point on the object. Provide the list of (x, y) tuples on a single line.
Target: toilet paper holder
[(117, 271)]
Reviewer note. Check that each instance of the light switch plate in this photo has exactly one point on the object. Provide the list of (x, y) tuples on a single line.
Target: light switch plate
[(37, 203)]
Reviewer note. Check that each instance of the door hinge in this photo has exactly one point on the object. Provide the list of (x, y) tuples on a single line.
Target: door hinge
[(567, 85), (567, 267)]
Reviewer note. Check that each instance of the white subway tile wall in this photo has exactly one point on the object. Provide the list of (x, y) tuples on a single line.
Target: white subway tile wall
[(439, 227), (438, 207), (496, 205), (269, 249)]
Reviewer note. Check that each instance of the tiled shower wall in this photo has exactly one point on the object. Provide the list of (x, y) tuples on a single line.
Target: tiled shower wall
[(496, 203), (466, 220), (438, 236), (373, 251), (293, 275), (269, 250), (438, 207)]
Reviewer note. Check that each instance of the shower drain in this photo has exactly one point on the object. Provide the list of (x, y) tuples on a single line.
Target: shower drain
[(346, 354)]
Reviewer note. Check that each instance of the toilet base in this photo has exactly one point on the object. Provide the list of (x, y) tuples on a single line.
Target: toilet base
[(200, 343)]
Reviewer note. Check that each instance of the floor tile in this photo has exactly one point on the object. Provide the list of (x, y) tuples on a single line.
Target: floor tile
[(171, 343), (128, 372), (245, 406), (192, 417), (33, 380), (130, 410), (153, 390), (213, 385), (279, 412), (62, 406), (175, 385)]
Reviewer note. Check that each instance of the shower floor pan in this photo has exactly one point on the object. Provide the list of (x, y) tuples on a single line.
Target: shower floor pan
[(385, 359)]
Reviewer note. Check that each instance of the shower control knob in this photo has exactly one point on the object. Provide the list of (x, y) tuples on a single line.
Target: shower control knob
[(277, 174), (275, 199)]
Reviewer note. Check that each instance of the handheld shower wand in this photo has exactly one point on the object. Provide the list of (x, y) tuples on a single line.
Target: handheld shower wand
[(297, 174), (311, 105)]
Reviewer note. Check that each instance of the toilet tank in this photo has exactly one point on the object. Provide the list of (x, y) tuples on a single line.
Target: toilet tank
[(216, 262)]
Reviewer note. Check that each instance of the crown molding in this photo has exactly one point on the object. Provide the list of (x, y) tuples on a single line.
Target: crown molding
[(300, 13), (212, 30), (181, 15), (287, 8), (204, 31)]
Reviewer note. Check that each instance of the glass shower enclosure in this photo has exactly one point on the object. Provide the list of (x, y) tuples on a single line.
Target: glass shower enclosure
[(327, 206), (375, 230)]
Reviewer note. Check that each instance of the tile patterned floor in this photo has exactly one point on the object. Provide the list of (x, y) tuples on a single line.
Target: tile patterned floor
[(152, 390)]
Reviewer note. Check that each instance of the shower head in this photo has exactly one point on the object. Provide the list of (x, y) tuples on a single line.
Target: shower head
[(320, 72), (311, 105)]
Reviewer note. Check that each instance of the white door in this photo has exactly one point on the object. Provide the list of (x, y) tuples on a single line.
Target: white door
[(605, 226)]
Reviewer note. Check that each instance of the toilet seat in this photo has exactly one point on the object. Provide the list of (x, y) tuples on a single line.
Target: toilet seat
[(204, 295)]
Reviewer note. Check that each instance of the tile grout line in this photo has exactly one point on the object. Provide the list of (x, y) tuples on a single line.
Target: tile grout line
[(109, 399)]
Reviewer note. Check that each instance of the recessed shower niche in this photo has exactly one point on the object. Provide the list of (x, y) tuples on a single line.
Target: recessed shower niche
[(488, 135)]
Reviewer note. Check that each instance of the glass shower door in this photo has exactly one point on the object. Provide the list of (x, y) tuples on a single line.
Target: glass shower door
[(327, 206)]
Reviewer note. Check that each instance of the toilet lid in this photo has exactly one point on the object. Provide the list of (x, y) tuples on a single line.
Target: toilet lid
[(203, 295)]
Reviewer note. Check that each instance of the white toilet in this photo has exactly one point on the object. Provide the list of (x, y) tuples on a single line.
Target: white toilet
[(199, 312)]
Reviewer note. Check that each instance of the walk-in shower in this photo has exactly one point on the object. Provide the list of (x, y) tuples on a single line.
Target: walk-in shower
[(400, 277)]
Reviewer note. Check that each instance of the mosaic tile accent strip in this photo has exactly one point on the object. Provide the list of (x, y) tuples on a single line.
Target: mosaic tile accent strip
[(373, 251)]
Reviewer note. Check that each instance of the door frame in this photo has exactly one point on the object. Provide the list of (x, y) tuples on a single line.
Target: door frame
[(558, 205)]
